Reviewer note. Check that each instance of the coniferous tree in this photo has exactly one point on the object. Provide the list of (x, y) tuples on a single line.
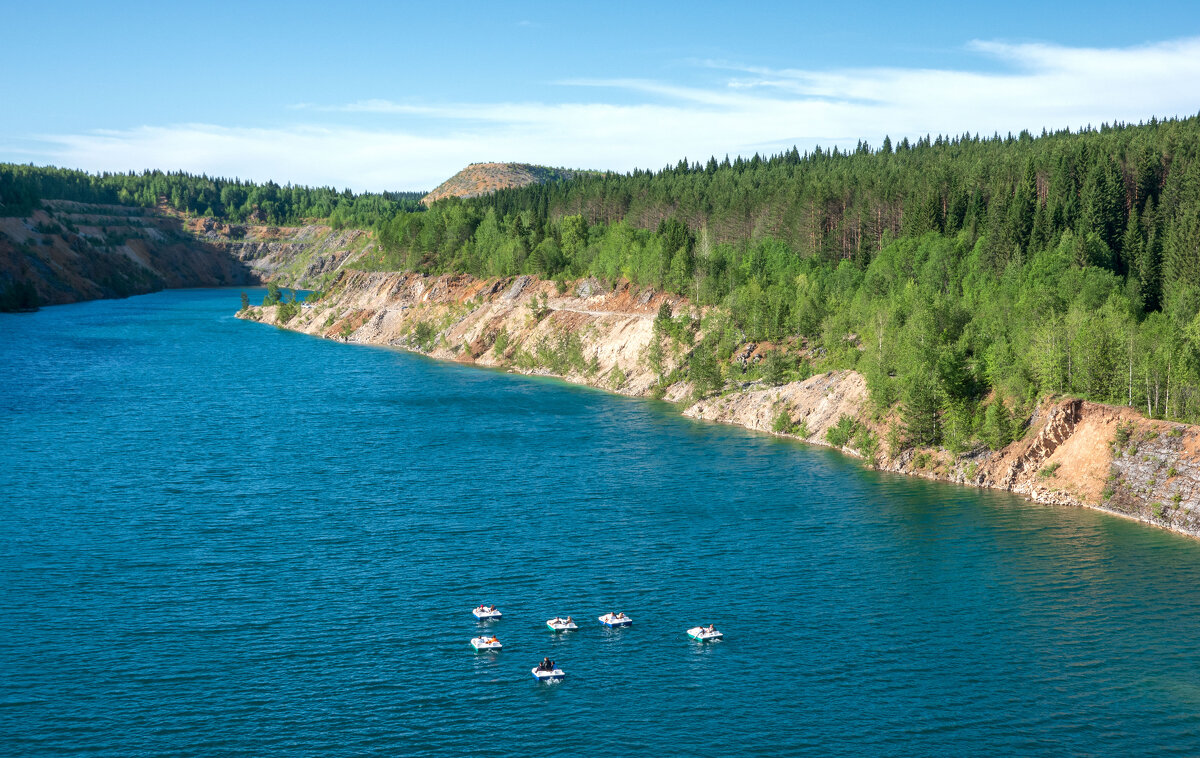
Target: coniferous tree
[(1149, 273), (921, 407), (997, 429), (1103, 202)]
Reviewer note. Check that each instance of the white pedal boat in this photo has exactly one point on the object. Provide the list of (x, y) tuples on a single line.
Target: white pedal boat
[(486, 643), (547, 675), (486, 612), (562, 625), (616, 619), (704, 634)]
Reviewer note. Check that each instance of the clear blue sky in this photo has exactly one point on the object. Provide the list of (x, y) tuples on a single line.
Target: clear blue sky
[(381, 95)]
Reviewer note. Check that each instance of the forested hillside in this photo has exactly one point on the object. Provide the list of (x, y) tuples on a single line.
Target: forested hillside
[(943, 270), (23, 187), (964, 277)]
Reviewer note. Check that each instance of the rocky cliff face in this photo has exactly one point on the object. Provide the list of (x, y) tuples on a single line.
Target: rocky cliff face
[(67, 252), (1073, 452), (813, 405), (586, 336), (1154, 473), (307, 256)]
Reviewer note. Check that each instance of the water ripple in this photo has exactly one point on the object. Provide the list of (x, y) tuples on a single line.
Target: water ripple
[(223, 538)]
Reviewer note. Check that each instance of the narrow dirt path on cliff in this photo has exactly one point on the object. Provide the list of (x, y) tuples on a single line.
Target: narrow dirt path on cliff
[(632, 314)]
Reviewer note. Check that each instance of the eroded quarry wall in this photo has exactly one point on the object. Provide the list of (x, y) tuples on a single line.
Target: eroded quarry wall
[(70, 252)]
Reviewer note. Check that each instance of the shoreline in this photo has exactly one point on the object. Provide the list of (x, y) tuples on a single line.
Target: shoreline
[(600, 338)]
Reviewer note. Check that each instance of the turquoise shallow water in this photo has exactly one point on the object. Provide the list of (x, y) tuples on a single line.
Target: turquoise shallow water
[(222, 538)]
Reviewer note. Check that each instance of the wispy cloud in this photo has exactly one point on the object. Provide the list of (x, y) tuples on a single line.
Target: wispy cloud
[(745, 109)]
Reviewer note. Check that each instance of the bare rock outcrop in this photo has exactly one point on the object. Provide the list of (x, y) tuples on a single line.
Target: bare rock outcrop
[(484, 178), (816, 403)]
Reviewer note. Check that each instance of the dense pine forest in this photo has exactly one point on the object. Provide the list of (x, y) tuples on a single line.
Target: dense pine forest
[(23, 187), (965, 277)]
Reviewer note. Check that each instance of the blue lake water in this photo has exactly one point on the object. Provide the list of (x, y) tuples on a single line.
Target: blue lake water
[(222, 538)]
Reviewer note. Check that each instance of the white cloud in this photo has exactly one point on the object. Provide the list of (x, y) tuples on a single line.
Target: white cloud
[(752, 110), (340, 157)]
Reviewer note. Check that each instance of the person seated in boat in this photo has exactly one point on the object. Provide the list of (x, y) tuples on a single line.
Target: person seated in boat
[(569, 621), (710, 629), (546, 665), (491, 608), (621, 615)]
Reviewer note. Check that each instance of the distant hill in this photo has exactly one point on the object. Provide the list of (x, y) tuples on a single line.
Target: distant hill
[(483, 178)]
